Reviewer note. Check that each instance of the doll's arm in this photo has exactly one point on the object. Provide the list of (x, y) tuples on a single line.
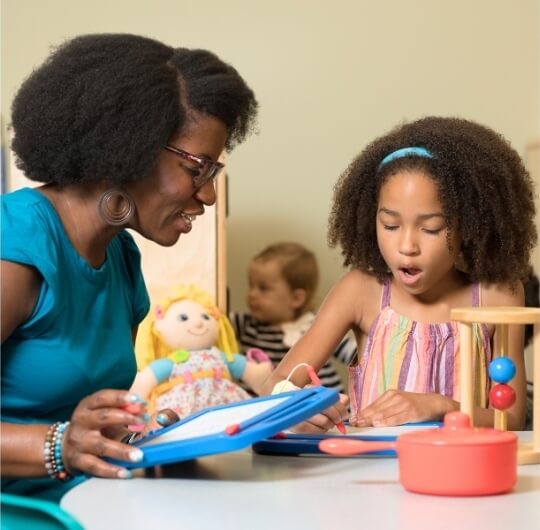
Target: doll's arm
[(148, 378), (252, 372)]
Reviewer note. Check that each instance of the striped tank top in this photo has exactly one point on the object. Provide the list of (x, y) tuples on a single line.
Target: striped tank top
[(414, 356)]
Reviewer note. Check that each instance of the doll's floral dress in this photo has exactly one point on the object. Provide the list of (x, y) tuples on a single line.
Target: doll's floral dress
[(201, 380)]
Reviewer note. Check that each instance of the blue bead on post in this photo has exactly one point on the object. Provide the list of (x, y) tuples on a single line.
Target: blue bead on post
[(502, 369)]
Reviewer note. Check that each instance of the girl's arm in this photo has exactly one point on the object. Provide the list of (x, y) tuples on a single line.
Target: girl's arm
[(339, 312), (353, 300)]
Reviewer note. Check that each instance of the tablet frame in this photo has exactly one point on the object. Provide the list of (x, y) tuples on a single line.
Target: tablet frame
[(298, 406)]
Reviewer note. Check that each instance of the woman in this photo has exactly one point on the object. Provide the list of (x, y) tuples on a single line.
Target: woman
[(123, 132)]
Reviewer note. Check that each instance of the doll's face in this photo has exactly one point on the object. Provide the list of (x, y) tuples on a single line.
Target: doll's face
[(187, 325)]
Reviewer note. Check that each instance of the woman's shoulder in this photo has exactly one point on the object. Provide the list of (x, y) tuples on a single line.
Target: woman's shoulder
[(23, 196), (31, 230), (128, 242), (16, 206), (124, 249)]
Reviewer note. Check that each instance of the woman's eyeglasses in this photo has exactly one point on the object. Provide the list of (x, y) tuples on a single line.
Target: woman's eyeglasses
[(201, 169)]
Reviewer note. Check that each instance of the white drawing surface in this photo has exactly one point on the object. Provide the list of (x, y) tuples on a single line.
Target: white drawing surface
[(215, 421)]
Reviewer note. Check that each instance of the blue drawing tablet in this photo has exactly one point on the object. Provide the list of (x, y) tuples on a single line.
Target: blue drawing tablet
[(231, 427), (308, 444)]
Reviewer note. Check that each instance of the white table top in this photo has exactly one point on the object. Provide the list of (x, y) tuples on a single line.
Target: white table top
[(243, 490)]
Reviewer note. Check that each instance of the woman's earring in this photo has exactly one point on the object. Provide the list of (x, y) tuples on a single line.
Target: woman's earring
[(116, 207)]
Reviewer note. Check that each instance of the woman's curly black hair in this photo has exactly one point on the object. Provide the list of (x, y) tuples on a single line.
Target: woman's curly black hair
[(102, 105), (485, 191)]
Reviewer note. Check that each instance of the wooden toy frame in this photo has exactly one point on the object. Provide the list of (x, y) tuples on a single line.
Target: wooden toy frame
[(502, 317)]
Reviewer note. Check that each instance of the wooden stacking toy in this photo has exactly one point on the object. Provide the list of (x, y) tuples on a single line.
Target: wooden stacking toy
[(501, 369)]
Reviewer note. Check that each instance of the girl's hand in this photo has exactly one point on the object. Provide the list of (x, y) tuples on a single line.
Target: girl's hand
[(96, 426), (396, 407), (327, 419)]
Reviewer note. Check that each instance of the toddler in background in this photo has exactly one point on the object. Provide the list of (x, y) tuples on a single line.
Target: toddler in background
[(436, 214), (283, 280)]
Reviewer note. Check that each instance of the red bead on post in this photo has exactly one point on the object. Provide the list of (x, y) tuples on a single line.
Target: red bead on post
[(502, 396)]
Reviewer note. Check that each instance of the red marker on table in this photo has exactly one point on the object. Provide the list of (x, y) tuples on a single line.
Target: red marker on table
[(316, 381)]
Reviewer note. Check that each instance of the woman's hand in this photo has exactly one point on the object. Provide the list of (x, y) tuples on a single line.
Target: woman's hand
[(327, 419), (97, 424), (396, 407), (160, 419)]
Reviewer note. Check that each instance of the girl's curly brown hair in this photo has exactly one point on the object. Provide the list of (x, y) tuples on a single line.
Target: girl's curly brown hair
[(485, 192)]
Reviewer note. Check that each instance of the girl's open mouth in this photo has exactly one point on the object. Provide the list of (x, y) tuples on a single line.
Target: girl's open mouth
[(409, 275)]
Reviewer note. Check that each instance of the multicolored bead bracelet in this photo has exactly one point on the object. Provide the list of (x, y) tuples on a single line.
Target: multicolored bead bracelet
[(52, 452)]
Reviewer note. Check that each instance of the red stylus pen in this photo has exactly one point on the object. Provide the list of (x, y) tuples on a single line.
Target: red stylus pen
[(316, 381)]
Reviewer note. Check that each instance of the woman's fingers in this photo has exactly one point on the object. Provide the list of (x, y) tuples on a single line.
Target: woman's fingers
[(86, 454), (166, 417), (108, 408), (110, 398), (160, 419), (92, 465), (96, 424)]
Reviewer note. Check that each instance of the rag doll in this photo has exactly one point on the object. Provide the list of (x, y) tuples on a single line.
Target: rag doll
[(186, 352)]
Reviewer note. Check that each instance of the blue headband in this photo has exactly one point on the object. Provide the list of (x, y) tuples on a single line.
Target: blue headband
[(403, 152)]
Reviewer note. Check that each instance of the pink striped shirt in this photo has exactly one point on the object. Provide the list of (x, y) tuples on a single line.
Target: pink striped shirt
[(417, 357)]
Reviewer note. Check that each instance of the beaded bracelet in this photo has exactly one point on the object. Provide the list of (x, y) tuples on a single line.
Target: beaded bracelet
[(52, 452)]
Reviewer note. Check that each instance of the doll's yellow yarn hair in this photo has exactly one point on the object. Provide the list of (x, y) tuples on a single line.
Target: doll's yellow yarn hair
[(149, 345)]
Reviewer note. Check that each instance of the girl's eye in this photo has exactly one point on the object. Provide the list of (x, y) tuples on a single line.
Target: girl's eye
[(390, 227), (182, 317), (205, 316), (432, 232)]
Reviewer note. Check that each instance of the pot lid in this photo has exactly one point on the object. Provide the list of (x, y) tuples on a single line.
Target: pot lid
[(457, 430)]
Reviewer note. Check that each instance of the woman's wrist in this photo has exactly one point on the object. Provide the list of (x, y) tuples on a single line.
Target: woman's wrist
[(52, 452)]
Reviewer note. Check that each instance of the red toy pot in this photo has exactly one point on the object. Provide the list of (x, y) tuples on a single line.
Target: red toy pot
[(451, 460)]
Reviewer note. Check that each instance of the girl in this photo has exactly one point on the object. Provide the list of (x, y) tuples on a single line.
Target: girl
[(436, 214)]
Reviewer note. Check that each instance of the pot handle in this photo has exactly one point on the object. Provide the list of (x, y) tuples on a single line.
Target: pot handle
[(349, 447)]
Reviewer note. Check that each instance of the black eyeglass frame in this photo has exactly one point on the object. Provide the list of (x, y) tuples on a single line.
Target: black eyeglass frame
[(208, 168)]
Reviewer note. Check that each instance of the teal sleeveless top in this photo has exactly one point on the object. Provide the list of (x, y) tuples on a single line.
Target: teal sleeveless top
[(78, 339)]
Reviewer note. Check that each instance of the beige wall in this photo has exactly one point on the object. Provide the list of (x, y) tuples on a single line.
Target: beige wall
[(329, 77)]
